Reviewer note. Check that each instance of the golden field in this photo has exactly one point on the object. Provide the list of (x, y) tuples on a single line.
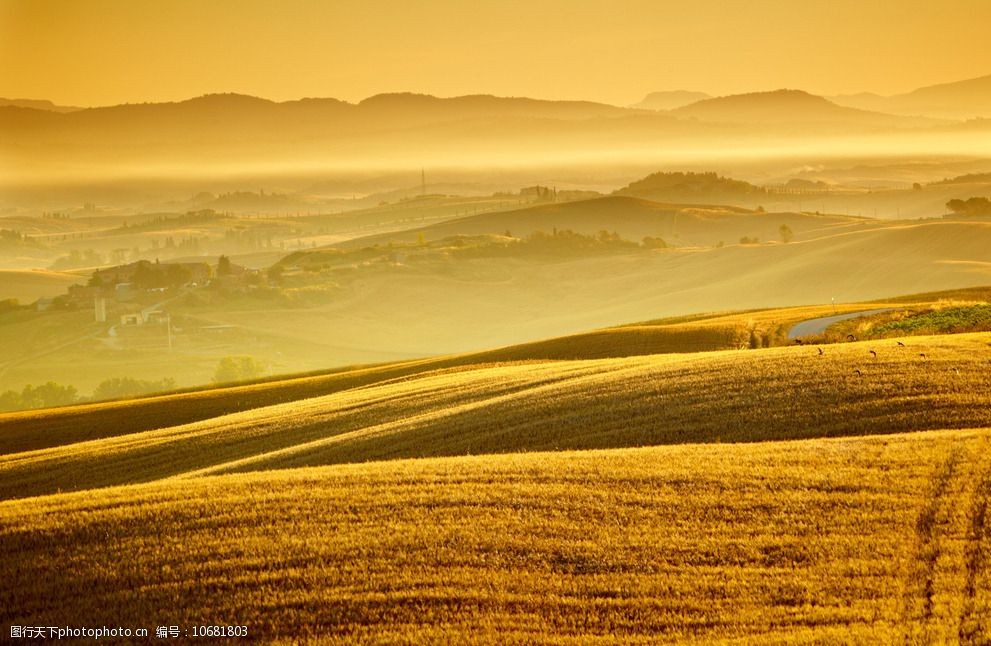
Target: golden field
[(856, 540), (728, 396), (571, 491)]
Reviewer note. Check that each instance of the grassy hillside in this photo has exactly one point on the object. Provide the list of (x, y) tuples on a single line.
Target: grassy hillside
[(631, 217), (733, 396), (28, 286), (30, 430), (399, 304), (866, 540)]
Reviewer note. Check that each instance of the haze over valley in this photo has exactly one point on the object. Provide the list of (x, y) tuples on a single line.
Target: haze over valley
[(452, 322)]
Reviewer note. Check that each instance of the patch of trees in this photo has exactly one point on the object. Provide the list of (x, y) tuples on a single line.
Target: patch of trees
[(9, 305), (238, 368), (568, 240), (44, 396), (121, 387), (556, 242), (749, 240), (153, 276), (52, 394), (12, 238), (975, 206), (677, 185), (167, 222), (250, 238), (77, 258), (971, 178)]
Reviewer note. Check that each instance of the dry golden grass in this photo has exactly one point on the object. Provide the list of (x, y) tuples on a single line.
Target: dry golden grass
[(733, 396), (857, 540)]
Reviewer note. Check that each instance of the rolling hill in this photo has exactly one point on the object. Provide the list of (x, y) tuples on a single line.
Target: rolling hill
[(28, 285), (37, 105), (855, 540), (791, 107), (626, 213), (728, 396), (535, 493), (231, 518), (670, 100), (222, 117), (967, 99), (31, 430), (218, 137)]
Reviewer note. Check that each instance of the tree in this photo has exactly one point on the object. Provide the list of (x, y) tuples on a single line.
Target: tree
[(118, 387), (224, 266), (650, 242), (47, 394), (786, 233), (239, 368), (975, 206), (10, 400)]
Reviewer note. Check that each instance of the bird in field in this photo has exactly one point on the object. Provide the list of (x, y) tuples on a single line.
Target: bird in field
[(821, 352), (901, 345), (850, 337), (873, 353), (922, 354), (859, 374)]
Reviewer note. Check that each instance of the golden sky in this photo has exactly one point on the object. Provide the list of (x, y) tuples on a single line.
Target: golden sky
[(98, 52)]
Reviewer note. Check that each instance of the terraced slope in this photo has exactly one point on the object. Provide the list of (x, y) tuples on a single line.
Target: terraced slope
[(858, 540)]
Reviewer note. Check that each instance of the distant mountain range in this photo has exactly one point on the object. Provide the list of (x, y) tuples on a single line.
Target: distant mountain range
[(670, 100), (241, 118), (234, 133), (790, 106), (37, 105), (958, 100)]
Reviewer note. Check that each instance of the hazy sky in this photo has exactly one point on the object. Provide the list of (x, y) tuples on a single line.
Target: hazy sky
[(97, 52)]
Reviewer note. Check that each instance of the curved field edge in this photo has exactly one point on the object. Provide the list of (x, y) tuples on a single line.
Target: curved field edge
[(776, 394), (859, 540)]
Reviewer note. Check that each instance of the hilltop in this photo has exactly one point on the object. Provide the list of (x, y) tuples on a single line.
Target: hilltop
[(790, 107), (37, 105), (630, 216), (967, 99), (688, 187), (670, 100)]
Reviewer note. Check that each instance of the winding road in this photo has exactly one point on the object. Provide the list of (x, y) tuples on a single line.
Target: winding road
[(818, 326)]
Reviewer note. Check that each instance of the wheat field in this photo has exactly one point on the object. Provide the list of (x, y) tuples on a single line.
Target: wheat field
[(728, 396), (855, 540), (833, 493)]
